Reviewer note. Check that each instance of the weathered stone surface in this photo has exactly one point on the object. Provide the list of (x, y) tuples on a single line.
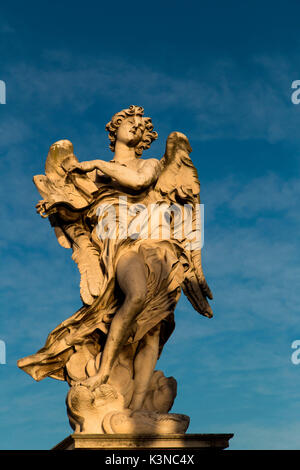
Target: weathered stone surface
[(123, 441)]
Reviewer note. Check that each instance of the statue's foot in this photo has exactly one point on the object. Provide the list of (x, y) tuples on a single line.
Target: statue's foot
[(93, 382)]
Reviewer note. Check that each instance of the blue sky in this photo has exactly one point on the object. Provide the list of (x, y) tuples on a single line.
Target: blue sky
[(220, 72)]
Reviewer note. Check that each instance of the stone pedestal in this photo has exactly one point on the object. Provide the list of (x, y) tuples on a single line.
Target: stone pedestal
[(129, 441)]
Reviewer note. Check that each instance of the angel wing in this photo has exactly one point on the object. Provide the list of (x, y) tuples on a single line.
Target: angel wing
[(86, 256), (179, 184), (65, 197), (58, 185)]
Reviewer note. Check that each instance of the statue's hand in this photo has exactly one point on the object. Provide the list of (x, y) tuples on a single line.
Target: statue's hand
[(69, 167)]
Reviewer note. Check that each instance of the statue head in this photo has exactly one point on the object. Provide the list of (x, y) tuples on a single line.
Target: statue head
[(132, 128)]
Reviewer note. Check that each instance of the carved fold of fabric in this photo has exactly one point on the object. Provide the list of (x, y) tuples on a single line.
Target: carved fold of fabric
[(163, 292)]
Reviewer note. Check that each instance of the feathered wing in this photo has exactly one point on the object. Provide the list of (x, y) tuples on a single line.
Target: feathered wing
[(179, 184), (61, 206), (86, 256)]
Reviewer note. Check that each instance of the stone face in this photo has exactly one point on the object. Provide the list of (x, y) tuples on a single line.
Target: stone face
[(133, 228)]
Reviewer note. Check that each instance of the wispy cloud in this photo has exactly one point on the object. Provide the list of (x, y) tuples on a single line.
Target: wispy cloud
[(221, 100)]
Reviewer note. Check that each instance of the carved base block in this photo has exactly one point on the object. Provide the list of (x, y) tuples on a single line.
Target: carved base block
[(128, 441)]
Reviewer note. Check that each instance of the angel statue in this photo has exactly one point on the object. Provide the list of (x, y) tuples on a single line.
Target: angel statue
[(133, 226)]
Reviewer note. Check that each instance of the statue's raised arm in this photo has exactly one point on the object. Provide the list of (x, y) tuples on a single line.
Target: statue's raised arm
[(138, 178)]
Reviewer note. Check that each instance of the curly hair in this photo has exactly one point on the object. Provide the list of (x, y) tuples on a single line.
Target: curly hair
[(148, 136)]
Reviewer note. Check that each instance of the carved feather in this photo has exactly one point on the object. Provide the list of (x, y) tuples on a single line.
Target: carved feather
[(87, 258), (179, 183), (179, 178)]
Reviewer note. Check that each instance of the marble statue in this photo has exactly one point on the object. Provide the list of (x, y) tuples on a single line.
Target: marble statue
[(133, 226)]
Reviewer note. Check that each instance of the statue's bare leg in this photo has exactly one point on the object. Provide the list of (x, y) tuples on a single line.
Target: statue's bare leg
[(131, 277), (144, 365)]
